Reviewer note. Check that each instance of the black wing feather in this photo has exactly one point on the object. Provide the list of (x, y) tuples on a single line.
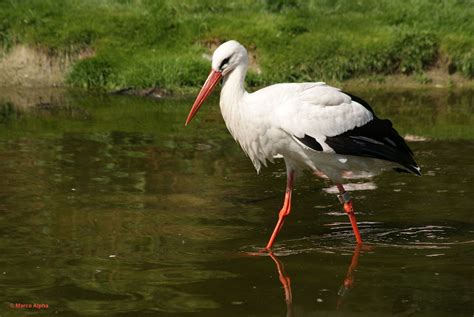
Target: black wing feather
[(377, 139), (310, 142), (360, 101)]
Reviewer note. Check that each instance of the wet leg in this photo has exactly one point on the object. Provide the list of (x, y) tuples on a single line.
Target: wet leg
[(285, 210), (346, 200)]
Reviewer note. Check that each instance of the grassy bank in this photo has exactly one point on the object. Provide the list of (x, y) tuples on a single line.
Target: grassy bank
[(144, 43)]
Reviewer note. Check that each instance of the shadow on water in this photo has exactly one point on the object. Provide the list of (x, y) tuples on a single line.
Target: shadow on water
[(109, 207)]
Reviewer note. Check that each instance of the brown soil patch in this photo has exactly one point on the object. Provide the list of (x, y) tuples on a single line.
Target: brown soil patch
[(30, 67)]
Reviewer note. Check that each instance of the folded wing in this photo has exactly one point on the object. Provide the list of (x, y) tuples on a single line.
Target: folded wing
[(323, 118)]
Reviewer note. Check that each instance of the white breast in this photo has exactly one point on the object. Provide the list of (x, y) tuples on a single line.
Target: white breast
[(250, 127)]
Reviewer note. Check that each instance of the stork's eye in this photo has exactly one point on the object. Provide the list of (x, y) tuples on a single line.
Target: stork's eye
[(224, 63)]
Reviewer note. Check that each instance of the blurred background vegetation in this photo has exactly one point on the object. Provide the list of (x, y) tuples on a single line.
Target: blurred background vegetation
[(164, 43)]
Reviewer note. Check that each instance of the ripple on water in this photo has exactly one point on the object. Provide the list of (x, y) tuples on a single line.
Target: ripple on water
[(340, 239)]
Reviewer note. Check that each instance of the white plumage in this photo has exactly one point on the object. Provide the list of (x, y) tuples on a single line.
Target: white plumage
[(312, 125)]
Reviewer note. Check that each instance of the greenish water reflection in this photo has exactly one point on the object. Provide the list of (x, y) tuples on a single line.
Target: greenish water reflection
[(110, 207)]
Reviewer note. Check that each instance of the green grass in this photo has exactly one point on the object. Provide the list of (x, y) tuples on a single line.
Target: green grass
[(145, 43)]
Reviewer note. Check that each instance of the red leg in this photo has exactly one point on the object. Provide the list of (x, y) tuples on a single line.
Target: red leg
[(285, 210), (345, 199)]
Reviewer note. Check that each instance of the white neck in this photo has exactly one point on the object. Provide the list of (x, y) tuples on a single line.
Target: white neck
[(233, 88), (235, 107), (232, 101)]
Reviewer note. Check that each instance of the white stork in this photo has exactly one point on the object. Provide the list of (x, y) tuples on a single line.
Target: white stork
[(313, 126)]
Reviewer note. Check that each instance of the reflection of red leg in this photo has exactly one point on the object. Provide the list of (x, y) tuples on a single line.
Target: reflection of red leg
[(285, 281), (284, 278), (285, 210), (348, 208), (349, 280)]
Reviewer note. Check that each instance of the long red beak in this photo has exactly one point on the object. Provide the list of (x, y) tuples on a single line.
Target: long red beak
[(206, 90)]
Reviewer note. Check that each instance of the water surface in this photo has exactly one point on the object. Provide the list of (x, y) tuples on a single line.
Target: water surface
[(110, 207)]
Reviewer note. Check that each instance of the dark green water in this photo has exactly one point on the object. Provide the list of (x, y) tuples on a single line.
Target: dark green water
[(110, 207)]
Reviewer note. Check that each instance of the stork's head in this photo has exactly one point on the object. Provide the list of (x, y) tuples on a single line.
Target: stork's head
[(227, 56), (225, 59)]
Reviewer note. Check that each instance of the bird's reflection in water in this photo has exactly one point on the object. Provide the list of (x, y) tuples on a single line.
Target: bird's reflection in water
[(285, 281), (347, 284)]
